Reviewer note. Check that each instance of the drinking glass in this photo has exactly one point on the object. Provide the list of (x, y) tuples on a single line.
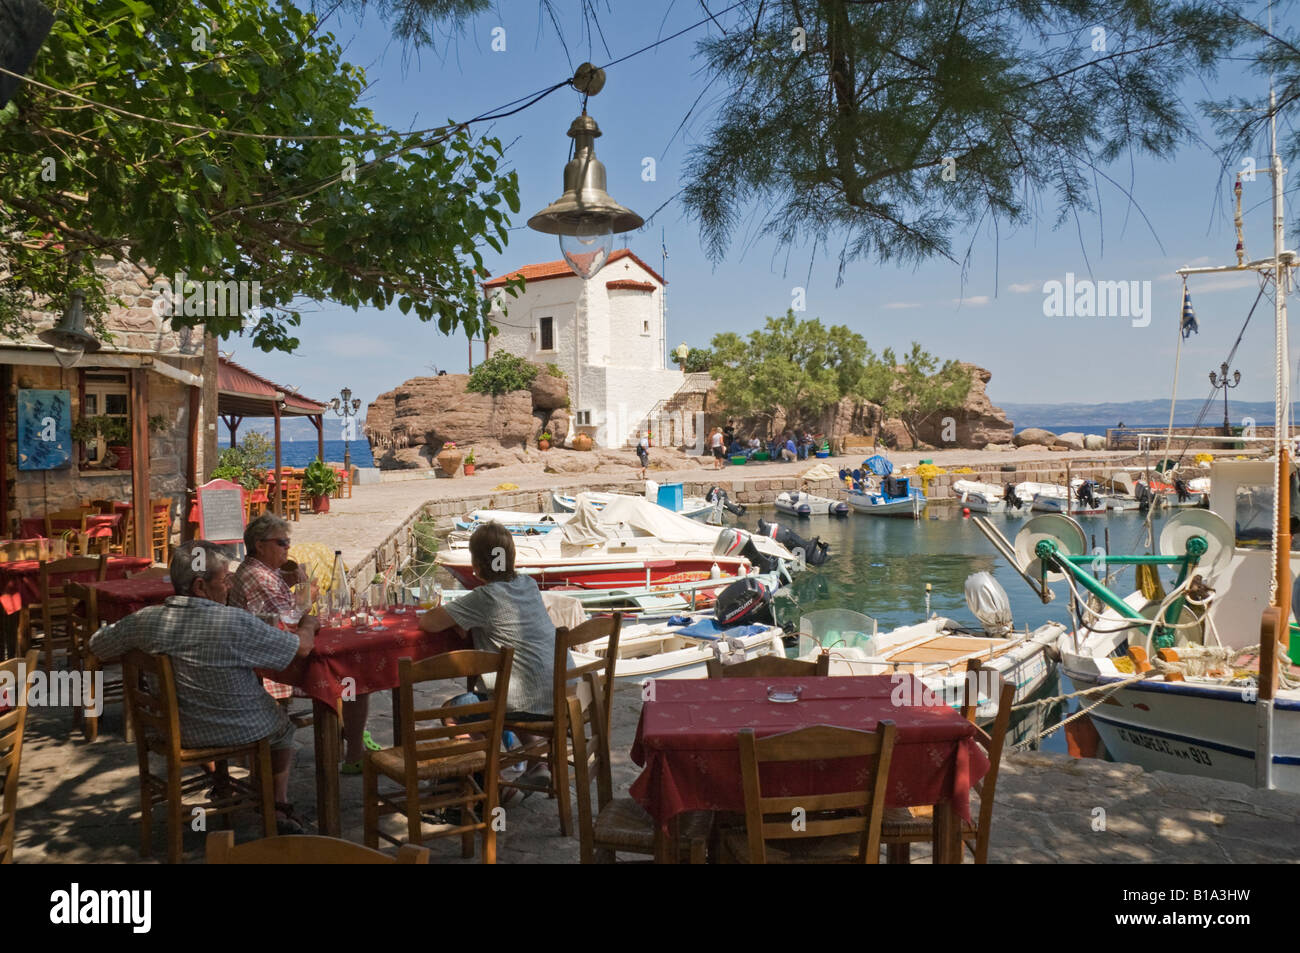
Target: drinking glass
[(361, 614), (302, 596), (378, 600), (430, 593)]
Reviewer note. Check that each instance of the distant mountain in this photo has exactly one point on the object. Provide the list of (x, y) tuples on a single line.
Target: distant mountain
[(1133, 413)]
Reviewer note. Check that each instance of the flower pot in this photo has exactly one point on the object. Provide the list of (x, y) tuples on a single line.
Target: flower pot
[(543, 445), (469, 469), (123, 454), (582, 442), (449, 461), (320, 504)]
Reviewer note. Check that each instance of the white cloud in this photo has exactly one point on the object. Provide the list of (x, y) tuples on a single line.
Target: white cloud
[(899, 305), (1023, 288), (973, 300)]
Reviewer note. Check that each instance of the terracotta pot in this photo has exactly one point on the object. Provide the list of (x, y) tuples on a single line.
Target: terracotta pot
[(449, 461), (469, 469), (320, 504), (582, 442), (543, 445), (123, 455)]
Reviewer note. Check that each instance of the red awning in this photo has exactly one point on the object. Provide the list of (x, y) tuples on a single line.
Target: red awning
[(241, 393)]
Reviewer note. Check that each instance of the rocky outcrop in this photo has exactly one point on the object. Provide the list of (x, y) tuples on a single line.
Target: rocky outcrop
[(975, 424), (549, 392), (1071, 441), (558, 425), (1034, 436)]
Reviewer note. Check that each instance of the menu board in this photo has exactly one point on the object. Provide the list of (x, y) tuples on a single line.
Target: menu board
[(221, 512)]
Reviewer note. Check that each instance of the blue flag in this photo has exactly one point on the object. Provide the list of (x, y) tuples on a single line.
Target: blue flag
[(1190, 326)]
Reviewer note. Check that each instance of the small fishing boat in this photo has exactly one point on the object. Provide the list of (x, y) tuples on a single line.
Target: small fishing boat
[(662, 649), (896, 497), (938, 650), (809, 504), (981, 497), (1081, 500), (692, 506)]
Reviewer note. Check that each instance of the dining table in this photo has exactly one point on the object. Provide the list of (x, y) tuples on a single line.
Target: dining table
[(97, 525), (687, 743), (348, 662), (116, 599)]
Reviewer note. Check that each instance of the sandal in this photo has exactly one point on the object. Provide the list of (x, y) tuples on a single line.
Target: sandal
[(350, 767), (285, 822), (370, 743)]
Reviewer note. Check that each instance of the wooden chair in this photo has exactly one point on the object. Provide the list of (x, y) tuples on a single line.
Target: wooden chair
[(839, 826), (12, 723), (292, 498), (160, 522), (304, 849), (54, 607), (906, 826), (615, 825), (771, 666), (152, 707), (550, 742), (76, 544), (83, 622), (445, 751)]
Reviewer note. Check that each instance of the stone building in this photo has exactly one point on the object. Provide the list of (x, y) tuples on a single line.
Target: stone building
[(159, 381), (607, 335)]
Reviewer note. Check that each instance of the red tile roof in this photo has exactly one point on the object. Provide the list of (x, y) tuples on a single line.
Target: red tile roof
[(560, 269), (240, 384)]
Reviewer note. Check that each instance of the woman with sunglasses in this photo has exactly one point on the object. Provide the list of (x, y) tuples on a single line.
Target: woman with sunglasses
[(259, 587)]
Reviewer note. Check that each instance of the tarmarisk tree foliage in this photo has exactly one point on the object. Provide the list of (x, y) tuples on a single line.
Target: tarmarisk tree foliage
[(225, 139), (917, 388)]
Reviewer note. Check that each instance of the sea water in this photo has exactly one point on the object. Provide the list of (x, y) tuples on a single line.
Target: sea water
[(880, 566)]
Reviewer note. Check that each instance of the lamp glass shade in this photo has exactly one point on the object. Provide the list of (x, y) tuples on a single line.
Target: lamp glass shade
[(586, 254), (70, 334), (346, 394)]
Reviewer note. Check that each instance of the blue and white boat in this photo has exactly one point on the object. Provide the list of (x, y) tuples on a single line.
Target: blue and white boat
[(895, 497), (517, 522)]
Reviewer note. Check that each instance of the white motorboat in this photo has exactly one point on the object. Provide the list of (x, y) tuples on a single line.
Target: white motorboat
[(937, 650), (894, 497), (659, 650), (516, 521), (982, 497), (799, 503), (1053, 498), (629, 543)]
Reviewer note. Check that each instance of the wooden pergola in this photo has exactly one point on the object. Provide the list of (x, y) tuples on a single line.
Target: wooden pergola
[(241, 394)]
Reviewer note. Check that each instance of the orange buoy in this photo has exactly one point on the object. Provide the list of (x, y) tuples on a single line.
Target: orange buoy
[(1082, 739), (965, 511)]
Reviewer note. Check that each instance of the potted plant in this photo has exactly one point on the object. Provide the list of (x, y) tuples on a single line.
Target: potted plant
[(449, 458), (582, 441), (319, 482), (469, 462), (544, 440)]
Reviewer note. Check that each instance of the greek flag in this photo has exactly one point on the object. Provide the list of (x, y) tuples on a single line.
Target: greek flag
[(1190, 326)]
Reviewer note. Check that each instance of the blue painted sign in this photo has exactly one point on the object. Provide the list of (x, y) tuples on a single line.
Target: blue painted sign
[(44, 429)]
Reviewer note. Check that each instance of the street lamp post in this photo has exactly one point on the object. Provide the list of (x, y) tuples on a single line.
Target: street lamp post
[(347, 408), (1221, 381)]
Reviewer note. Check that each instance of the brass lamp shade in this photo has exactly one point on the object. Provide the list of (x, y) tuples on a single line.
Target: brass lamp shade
[(585, 208), (70, 333)]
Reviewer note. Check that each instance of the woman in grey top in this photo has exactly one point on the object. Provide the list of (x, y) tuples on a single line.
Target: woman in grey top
[(506, 610)]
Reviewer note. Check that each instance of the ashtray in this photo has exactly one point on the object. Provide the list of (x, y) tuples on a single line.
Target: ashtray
[(784, 695)]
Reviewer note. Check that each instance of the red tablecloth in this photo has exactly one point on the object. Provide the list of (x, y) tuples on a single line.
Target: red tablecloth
[(370, 658), (97, 525), (688, 742), (118, 598), (20, 582)]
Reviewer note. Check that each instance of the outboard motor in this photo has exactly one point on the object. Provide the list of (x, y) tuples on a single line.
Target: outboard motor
[(815, 551), (1013, 500), (743, 602), (1143, 495), (1086, 495), (1180, 488), (737, 542), (988, 601), (715, 494)]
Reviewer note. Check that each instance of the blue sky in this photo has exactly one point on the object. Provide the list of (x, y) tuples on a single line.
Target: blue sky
[(992, 316)]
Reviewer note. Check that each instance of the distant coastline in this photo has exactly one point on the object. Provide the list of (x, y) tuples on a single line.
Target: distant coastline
[(1150, 415)]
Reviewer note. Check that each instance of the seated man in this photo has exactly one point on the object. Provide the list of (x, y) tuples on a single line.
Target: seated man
[(788, 451), (259, 588), (507, 611), (214, 649)]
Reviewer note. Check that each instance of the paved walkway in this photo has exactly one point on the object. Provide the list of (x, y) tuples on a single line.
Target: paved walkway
[(357, 525), (79, 803)]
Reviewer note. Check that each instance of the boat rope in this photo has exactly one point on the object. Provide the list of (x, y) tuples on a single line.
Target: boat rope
[(1043, 704)]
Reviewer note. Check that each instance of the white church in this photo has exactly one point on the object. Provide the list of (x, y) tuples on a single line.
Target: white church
[(606, 334)]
